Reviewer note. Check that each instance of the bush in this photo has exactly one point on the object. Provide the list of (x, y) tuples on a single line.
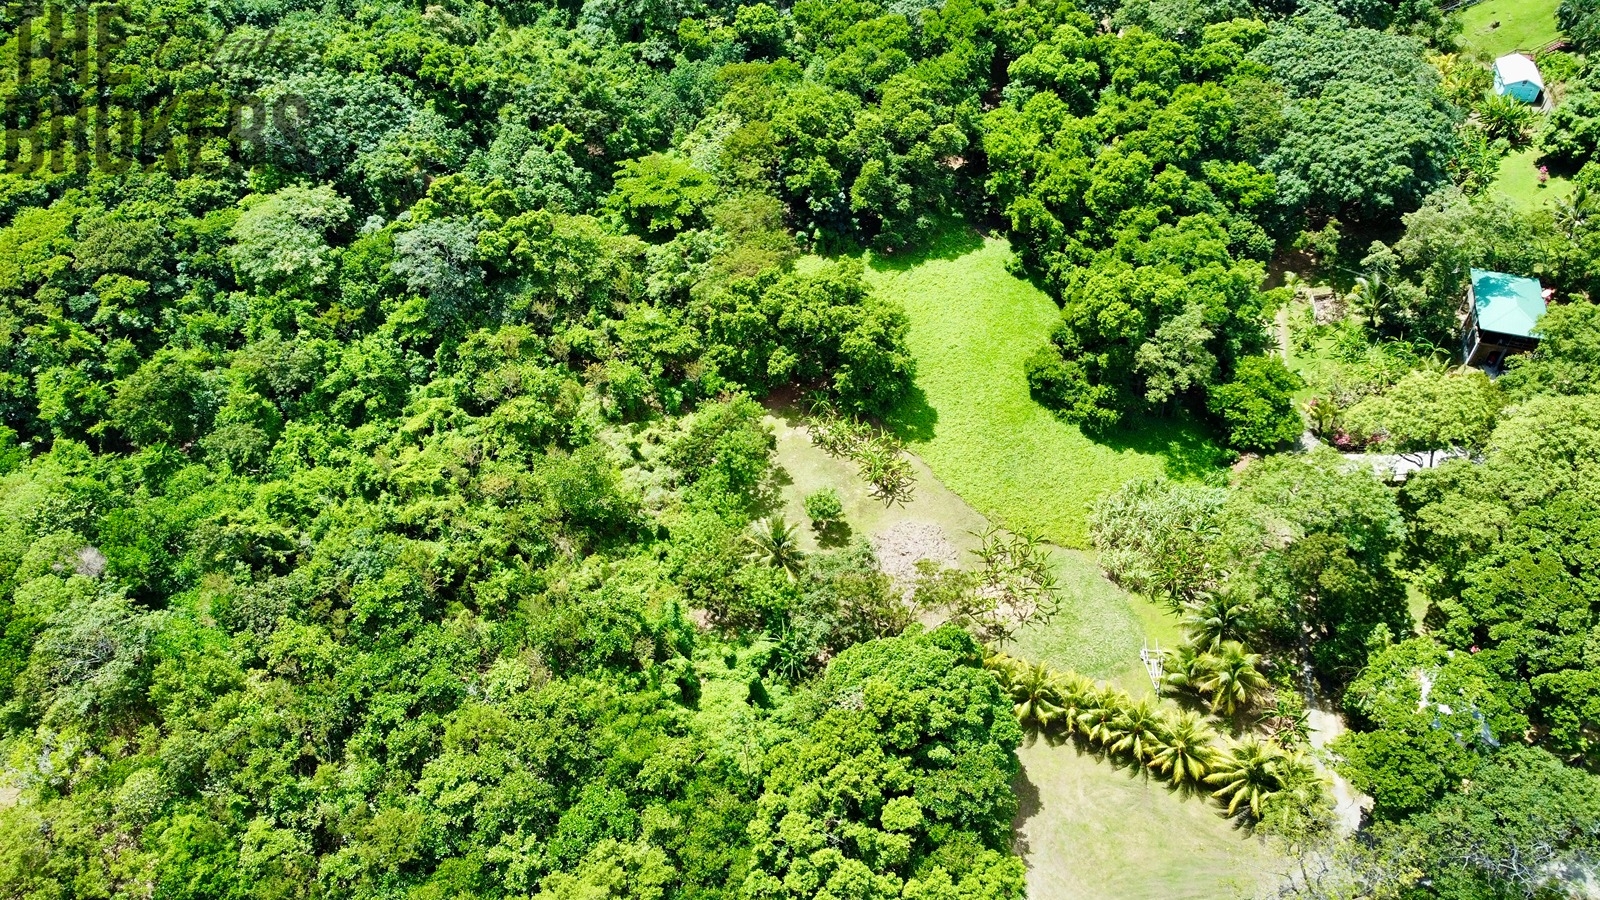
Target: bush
[(824, 508)]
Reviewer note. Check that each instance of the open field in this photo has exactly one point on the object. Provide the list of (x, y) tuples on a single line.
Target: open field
[(973, 420), (1497, 27), (1090, 830)]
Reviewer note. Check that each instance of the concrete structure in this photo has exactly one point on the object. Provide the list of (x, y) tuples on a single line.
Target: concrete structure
[(1498, 317), (1518, 76)]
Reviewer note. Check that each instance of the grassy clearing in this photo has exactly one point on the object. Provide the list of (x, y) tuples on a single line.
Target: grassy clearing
[(1497, 27), (1101, 627), (972, 418), (1089, 831), (1518, 181), (808, 468)]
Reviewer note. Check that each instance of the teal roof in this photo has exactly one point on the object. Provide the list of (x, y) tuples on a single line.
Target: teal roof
[(1508, 304)]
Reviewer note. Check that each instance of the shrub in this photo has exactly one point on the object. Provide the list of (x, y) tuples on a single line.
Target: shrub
[(824, 508)]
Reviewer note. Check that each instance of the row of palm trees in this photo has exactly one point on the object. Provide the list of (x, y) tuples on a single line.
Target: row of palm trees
[(1244, 775)]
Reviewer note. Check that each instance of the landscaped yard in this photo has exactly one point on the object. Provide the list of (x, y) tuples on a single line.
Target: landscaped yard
[(974, 422), (1089, 830), (1518, 181), (1497, 27)]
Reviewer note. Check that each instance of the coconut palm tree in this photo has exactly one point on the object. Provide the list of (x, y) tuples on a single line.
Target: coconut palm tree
[(1099, 716), (775, 543), (1036, 693), (1187, 750), (1215, 618), (1139, 728), (1231, 678), (1077, 695), (1184, 667), (1372, 295), (1246, 774)]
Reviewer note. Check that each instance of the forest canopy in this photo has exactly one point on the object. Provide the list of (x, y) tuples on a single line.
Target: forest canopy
[(385, 485)]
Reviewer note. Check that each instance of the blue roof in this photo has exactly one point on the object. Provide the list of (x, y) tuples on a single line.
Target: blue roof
[(1508, 304)]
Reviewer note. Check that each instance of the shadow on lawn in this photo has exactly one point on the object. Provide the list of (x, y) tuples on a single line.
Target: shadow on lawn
[(914, 419), (952, 240), (1186, 450), (1028, 806)]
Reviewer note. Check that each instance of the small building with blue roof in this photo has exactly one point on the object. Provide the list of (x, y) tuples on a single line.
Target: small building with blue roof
[(1518, 75), (1499, 317)]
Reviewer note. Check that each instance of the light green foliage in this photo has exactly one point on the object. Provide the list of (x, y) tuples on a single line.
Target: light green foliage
[(1160, 538), (379, 467), (660, 194), (903, 739), (1567, 360), (282, 238), (1435, 716), (1428, 411), (1319, 534), (824, 508), (1506, 552)]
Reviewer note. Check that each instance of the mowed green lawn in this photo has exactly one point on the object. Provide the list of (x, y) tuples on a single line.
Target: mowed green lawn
[(974, 422), (1518, 181), (1089, 830), (1497, 27)]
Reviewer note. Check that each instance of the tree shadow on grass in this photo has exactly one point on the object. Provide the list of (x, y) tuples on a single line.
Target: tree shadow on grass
[(1028, 806), (833, 535), (952, 239), (1186, 447), (914, 419)]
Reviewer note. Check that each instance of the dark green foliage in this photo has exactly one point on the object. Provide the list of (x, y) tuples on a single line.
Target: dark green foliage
[(1257, 406), (906, 746)]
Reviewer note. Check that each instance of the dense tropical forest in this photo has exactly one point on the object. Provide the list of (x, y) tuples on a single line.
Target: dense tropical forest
[(389, 504)]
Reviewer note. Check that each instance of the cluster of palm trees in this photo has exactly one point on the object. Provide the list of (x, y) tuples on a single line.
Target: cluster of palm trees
[(1226, 674), (879, 456), (1243, 774)]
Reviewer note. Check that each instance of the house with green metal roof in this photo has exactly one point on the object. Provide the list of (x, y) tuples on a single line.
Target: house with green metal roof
[(1499, 316)]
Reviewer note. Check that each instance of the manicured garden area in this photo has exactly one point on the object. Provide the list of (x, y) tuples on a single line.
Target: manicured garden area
[(973, 420), (1090, 831), (1518, 181), (1497, 27)]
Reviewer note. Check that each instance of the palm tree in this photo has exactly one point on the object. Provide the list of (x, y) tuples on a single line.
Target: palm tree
[(1077, 695), (1184, 667), (774, 543), (1231, 678), (1215, 618), (1036, 693), (1371, 296), (1187, 751), (1246, 774), (1139, 729), (1099, 716)]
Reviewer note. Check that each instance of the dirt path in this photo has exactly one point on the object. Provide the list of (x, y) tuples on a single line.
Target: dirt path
[(1326, 725)]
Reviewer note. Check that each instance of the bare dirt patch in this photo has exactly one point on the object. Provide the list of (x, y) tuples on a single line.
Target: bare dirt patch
[(905, 544)]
